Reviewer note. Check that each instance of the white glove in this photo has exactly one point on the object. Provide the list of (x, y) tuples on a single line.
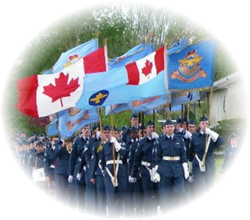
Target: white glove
[(70, 179), (154, 135), (187, 135), (132, 179), (212, 134), (116, 143), (98, 134), (78, 176), (155, 176), (185, 169)]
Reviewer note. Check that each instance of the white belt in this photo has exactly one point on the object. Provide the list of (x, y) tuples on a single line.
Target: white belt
[(171, 158), (112, 162), (145, 163)]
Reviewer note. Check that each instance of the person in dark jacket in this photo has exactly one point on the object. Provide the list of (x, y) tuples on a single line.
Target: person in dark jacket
[(230, 153), (202, 148)]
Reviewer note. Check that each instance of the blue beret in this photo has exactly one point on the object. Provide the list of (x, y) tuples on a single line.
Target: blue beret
[(191, 121), (134, 116), (168, 122), (178, 121), (106, 127), (40, 143), (203, 118), (150, 123), (232, 136)]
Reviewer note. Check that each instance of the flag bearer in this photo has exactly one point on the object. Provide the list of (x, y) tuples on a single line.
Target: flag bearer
[(203, 144)]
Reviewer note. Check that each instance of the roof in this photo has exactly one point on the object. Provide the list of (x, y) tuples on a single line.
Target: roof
[(224, 82)]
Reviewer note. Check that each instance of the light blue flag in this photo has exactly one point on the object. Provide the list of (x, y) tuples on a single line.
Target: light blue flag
[(138, 80), (132, 55), (117, 108), (179, 45), (73, 55), (183, 97), (73, 119), (147, 104), (52, 128), (193, 67)]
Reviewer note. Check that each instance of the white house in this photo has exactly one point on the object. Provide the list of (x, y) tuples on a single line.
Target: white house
[(230, 98)]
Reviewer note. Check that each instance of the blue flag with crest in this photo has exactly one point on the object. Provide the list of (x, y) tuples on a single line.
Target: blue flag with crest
[(73, 119), (73, 55), (193, 67)]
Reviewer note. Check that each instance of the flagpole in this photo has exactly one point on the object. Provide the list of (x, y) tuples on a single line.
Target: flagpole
[(105, 41)]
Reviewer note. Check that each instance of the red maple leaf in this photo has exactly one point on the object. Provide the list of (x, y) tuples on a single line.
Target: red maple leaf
[(148, 68), (61, 88)]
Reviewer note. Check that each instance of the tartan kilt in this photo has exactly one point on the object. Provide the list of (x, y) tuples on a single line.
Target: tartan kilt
[(52, 189)]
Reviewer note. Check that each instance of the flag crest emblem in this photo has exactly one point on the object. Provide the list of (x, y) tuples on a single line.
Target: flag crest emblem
[(189, 68), (98, 98)]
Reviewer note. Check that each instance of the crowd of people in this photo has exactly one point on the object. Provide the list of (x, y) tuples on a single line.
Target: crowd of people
[(131, 171)]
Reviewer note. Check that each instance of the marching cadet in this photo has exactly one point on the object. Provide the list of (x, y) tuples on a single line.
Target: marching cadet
[(28, 154), (114, 172), (230, 153), (143, 163), (37, 160), (191, 126), (62, 154), (134, 188), (171, 167), (21, 154), (202, 150), (74, 163), (134, 123), (49, 164), (96, 173), (86, 163)]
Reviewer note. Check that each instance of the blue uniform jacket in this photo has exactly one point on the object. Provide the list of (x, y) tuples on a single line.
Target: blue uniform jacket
[(37, 160), (107, 155), (171, 147), (198, 147), (62, 160), (76, 155), (95, 159), (230, 157), (144, 152)]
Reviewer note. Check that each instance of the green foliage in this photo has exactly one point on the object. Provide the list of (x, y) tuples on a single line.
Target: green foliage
[(226, 127), (124, 25)]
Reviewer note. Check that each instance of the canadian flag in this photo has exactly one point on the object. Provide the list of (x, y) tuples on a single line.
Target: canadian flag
[(146, 69), (42, 95)]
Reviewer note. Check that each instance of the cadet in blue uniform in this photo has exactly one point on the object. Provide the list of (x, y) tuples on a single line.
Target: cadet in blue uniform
[(172, 168), (134, 123), (134, 185), (114, 173), (62, 154), (143, 162), (37, 160), (202, 150), (74, 163), (230, 153), (96, 173), (49, 165)]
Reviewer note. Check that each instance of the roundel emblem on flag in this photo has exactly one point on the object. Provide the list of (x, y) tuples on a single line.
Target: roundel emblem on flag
[(98, 98)]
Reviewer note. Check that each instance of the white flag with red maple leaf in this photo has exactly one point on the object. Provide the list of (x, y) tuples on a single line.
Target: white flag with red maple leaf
[(42, 95), (147, 68)]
